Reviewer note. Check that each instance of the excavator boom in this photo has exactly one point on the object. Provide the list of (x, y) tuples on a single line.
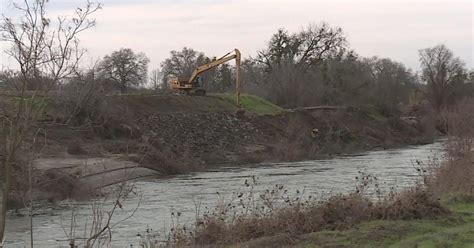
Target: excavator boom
[(216, 63)]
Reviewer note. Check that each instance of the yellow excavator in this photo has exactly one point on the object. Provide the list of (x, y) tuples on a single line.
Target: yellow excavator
[(194, 85)]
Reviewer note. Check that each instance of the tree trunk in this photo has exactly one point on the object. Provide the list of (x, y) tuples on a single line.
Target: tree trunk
[(5, 194)]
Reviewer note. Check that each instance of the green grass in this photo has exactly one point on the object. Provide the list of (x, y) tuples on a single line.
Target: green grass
[(252, 104), (453, 230), (419, 233)]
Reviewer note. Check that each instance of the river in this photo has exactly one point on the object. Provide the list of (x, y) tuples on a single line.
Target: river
[(161, 197)]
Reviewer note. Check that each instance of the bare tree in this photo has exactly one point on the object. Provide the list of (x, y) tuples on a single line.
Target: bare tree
[(292, 62), (222, 79), (125, 68), (155, 79), (470, 84), (442, 72), (181, 64), (46, 52), (252, 77), (391, 83), (98, 232), (9, 80), (305, 48), (81, 96)]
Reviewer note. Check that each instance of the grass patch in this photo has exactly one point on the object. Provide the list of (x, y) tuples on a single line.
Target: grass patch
[(455, 230), (252, 104)]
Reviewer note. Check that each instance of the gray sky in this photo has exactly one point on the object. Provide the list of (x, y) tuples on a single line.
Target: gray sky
[(386, 28)]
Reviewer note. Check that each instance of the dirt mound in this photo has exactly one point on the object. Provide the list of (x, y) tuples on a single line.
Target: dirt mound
[(143, 104)]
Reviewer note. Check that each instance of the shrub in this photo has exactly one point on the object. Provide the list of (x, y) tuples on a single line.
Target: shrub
[(456, 174), (250, 215), (413, 203)]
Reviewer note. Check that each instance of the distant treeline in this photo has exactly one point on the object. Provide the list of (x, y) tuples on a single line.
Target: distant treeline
[(314, 66)]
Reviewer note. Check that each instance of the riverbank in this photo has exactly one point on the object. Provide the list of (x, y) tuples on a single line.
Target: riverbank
[(453, 230), (181, 193), (130, 136), (173, 134), (435, 212)]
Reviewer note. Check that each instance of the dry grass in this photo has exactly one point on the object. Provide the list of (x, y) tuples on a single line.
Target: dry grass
[(338, 212), (250, 214), (456, 174), (413, 203), (291, 217)]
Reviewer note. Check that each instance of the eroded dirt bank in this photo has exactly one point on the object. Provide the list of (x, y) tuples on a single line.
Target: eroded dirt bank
[(135, 136)]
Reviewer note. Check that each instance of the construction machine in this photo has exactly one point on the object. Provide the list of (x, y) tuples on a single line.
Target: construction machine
[(194, 85)]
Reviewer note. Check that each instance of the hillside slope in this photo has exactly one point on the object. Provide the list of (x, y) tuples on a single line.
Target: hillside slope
[(175, 134), (179, 134)]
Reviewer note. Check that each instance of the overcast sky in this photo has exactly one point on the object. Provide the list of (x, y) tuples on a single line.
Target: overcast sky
[(385, 28)]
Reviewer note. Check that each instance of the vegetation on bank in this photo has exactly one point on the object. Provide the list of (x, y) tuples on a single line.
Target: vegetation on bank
[(252, 104), (453, 230), (436, 212)]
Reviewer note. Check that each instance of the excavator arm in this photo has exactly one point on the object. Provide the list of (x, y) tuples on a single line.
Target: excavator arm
[(216, 63)]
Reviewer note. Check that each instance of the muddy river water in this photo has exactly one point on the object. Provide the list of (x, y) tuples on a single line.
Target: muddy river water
[(162, 197)]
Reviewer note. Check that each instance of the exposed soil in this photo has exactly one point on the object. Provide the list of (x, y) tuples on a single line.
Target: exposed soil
[(172, 135), (193, 136)]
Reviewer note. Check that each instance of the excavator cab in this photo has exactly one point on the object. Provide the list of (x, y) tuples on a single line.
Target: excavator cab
[(198, 87), (198, 82), (184, 87)]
